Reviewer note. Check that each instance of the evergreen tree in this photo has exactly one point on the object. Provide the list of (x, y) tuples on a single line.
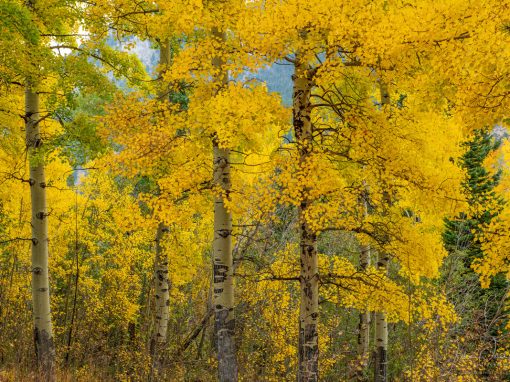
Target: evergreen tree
[(484, 317), (462, 232)]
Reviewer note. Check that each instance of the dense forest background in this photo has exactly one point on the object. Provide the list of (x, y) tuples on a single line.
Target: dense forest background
[(254, 190)]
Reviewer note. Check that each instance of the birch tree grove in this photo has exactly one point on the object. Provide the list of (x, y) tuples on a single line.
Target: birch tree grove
[(263, 190)]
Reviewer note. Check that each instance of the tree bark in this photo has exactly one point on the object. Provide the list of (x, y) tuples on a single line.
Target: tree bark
[(381, 324), (161, 290), (364, 317), (161, 311), (308, 346), (381, 334), (164, 61), (222, 251), (43, 331)]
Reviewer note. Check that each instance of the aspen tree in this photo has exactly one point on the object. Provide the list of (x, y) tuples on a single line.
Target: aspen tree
[(381, 323), (308, 347), (41, 28), (161, 283), (381, 333), (43, 332), (161, 294), (223, 282), (364, 317)]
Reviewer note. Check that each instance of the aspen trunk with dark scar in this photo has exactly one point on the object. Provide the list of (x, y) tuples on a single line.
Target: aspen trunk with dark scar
[(381, 334), (161, 283), (364, 317), (43, 332), (308, 347), (223, 282), (162, 294), (381, 324)]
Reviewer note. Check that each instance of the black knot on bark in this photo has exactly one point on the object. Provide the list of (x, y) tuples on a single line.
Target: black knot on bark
[(224, 233), (37, 270), (40, 215), (35, 241), (42, 184), (221, 162), (307, 290)]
